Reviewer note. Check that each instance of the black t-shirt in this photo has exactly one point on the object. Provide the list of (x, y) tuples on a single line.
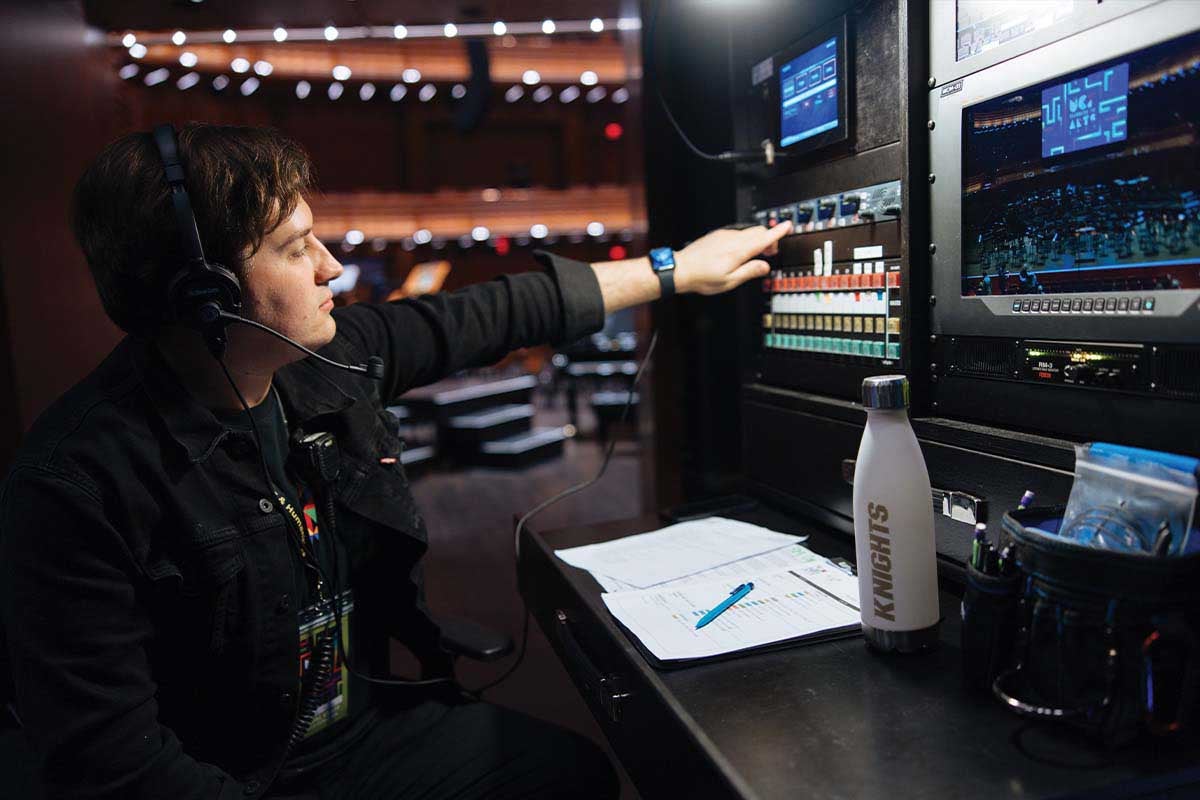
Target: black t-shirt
[(270, 423)]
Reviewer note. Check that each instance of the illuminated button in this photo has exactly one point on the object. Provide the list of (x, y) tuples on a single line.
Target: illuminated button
[(1148, 304), (1016, 305), (1056, 305), (1110, 304), (1077, 304), (1087, 304), (1025, 305), (1135, 304), (1123, 304)]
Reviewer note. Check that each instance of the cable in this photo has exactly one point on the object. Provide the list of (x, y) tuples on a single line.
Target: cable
[(769, 153), (547, 503)]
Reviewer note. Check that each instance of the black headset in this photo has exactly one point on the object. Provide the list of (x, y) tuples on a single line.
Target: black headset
[(200, 290), (206, 296)]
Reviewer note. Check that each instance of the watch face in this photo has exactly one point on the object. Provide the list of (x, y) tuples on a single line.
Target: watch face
[(662, 259)]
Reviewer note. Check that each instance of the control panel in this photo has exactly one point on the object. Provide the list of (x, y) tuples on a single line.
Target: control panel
[(855, 207), (849, 310)]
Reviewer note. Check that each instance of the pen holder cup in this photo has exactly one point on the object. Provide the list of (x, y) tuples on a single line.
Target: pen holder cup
[(989, 626), (1106, 642)]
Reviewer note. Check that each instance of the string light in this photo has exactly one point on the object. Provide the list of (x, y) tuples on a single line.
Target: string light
[(451, 30), (303, 88), (531, 77), (538, 231), (331, 33), (422, 236), (597, 25), (229, 36), (569, 94), (588, 78), (187, 81), (335, 90), (263, 68), (397, 93), (239, 65), (138, 50), (129, 40), (620, 95), (427, 92), (248, 86), (458, 91), (596, 94), (128, 71), (188, 59), (499, 29), (156, 77), (280, 34), (548, 26), (178, 38), (220, 82), (411, 75), (399, 31), (514, 93), (366, 91), (542, 94), (355, 236), (341, 73), (480, 234), (595, 228)]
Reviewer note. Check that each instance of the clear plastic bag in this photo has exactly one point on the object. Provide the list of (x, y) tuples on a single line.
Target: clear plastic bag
[(1131, 500)]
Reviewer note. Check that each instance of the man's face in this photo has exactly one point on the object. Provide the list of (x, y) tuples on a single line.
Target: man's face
[(286, 284)]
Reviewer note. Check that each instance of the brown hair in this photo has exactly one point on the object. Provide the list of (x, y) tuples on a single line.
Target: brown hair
[(242, 183)]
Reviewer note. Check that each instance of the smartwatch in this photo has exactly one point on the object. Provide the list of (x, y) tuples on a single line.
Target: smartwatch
[(662, 261)]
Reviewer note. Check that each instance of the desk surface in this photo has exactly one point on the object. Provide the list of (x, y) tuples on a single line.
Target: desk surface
[(836, 719)]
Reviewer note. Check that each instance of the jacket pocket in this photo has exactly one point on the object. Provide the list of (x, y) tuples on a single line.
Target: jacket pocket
[(208, 586)]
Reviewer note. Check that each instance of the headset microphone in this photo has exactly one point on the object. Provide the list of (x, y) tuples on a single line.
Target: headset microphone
[(372, 369)]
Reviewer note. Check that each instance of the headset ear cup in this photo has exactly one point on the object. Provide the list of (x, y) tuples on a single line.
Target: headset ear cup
[(199, 285)]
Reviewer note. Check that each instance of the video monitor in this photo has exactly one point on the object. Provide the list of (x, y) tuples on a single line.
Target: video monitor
[(811, 90), (1088, 182)]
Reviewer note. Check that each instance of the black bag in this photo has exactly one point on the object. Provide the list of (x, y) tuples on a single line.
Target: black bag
[(1104, 641)]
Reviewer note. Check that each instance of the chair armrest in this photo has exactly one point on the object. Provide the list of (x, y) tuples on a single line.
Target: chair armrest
[(466, 638)]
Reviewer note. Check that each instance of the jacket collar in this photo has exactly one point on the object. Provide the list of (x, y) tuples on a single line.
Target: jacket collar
[(307, 392)]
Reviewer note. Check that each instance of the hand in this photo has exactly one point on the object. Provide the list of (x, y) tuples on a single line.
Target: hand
[(725, 259)]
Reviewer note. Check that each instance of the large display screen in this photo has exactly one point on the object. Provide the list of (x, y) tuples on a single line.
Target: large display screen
[(985, 24), (808, 94), (1089, 182)]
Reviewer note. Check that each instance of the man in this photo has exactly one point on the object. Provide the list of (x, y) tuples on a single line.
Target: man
[(155, 574)]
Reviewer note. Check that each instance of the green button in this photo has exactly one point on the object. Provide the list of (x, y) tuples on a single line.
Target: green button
[(893, 350)]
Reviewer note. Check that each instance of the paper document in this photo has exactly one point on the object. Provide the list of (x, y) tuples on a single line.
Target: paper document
[(677, 551), (783, 605)]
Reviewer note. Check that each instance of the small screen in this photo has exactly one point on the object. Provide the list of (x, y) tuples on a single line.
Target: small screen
[(1087, 112), (808, 94), (1089, 182)]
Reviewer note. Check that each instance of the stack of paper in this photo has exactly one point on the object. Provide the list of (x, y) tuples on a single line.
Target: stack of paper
[(659, 584)]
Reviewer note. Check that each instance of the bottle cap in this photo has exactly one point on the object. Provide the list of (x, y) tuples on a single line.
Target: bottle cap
[(885, 391)]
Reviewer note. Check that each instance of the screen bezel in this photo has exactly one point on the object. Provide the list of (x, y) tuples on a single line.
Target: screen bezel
[(840, 28), (1177, 311)]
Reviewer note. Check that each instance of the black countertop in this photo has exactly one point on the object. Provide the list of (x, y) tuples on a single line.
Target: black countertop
[(838, 720)]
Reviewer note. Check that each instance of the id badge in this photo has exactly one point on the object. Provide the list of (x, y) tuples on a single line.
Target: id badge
[(317, 622)]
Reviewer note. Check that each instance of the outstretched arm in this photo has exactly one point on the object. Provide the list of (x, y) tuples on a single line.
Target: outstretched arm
[(715, 263)]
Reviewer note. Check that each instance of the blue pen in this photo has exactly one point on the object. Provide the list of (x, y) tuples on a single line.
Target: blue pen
[(734, 596)]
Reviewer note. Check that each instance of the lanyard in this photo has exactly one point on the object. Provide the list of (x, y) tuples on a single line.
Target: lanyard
[(307, 554)]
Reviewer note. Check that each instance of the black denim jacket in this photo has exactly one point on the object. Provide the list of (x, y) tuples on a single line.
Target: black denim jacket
[(145, 582)]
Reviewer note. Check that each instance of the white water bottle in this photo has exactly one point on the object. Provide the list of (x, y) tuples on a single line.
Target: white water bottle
[(893, 525)]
